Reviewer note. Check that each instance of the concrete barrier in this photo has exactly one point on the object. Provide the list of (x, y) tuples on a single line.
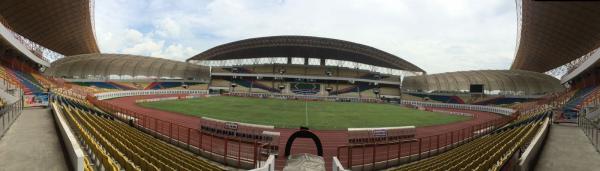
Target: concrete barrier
[(337, 165), (527, 159), (268, 165), (117, 94), (69, 141), (491, 109)]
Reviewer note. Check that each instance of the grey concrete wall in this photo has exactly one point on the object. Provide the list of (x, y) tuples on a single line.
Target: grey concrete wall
[(70, 143), (527, 160)]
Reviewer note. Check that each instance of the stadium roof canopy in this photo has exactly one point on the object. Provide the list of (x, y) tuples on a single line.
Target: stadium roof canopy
[(63, 26), (9, 44), (308, 47), (103, 66), (513, 82), (553, 33)]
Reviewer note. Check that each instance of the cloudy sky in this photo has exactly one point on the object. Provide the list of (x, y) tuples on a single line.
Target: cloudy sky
[(436, 35)]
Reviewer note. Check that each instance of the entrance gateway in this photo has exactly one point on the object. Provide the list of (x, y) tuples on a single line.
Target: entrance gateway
[(304, 161)]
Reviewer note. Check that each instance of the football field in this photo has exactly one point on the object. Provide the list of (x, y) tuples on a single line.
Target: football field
[(295, 113)]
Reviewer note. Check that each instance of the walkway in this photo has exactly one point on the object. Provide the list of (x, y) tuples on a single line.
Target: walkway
[(32, 143), (567, 148)]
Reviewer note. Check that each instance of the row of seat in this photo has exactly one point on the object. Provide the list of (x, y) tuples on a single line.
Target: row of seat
[(90, 143), (5, 76), (9, 76), (45, 82), (486, 153), (307, 70), (87, 166), (533, 112), (23, 79), (132, 149), (347, 90)]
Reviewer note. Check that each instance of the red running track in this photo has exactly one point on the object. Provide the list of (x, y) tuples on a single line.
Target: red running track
[(331, 139)]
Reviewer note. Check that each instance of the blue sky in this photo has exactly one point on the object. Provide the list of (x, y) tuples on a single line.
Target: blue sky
[(436, 35)]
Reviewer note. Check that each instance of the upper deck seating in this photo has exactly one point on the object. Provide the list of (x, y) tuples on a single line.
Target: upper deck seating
[(251, 83), (22, 79), (440, 98), (219, 83), (267, 69), (573, 106), (354, 88)]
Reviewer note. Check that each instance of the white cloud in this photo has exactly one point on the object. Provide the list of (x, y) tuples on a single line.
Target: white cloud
[(436, 35), (178, 52), (168, 28)]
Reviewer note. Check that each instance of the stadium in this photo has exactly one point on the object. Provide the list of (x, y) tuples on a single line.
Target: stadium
[(294, 102)]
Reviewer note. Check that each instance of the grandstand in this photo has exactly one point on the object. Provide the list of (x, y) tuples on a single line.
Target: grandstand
[(488, 152), (90, 110), (333, 67), (118, 146)]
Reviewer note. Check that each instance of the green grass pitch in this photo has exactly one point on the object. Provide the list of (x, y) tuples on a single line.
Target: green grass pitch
[(291, 113)]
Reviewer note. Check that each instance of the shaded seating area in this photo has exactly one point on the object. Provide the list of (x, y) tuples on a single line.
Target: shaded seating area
[(24, 80), (440, 98)]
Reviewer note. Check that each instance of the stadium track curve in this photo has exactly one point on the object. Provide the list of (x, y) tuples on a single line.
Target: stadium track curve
[(331, 139)]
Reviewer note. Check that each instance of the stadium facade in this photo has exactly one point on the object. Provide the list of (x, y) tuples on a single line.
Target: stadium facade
[(305, 65)]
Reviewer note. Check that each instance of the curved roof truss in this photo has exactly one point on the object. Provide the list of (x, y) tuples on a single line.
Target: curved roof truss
[(516, 82), (554, 33), (308, 47), (63, 26), (94, 66)]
